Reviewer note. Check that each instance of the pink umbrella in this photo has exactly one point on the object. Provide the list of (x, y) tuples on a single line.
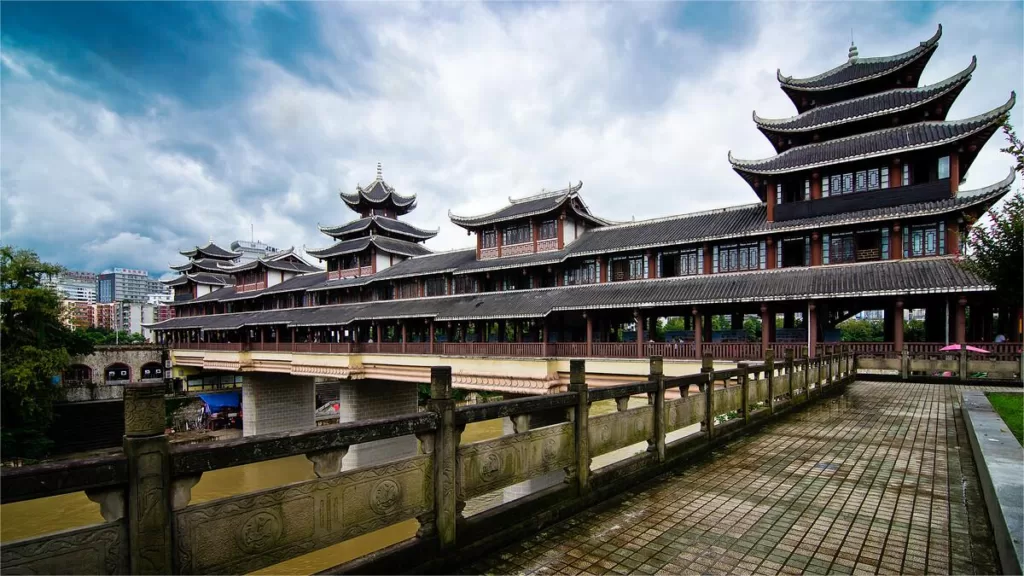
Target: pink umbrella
[(956, 347)]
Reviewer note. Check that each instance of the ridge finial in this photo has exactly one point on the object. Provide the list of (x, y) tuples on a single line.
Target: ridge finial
[(378, 171)]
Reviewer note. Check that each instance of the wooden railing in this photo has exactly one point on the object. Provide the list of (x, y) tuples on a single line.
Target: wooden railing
[(150, 525), (681, 350)]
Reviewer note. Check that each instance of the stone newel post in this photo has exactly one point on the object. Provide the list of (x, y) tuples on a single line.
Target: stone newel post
[(445, 447), (149, 479), (657, 374), (581, 418)]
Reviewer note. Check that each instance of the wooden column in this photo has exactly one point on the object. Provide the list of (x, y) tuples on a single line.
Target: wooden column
[(590, 334), (698, 332), (765, 330), (772, 250), (812, 329), (639, 318), (961, 320), (707, 258), (896, 242), (815, 186), (954, 173), (815, 249), (953, 237), (772, 191), (897, 326), (896, 174), (403, 337), (544, 337), (430, 338)]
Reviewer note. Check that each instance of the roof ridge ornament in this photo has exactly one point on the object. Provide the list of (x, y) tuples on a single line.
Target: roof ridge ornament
[(853, 52), (379, 172)]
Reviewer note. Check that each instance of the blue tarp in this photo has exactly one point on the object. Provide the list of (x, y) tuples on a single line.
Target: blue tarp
[(221, 400)]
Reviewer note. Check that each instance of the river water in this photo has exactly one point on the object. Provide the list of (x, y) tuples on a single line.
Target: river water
[(42, 516)]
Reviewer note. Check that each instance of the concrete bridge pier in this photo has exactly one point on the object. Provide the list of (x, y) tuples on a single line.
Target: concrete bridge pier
[(367, 399), (277, 403)]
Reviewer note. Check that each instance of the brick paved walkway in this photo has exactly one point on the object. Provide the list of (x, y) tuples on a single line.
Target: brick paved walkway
[(879, 480)]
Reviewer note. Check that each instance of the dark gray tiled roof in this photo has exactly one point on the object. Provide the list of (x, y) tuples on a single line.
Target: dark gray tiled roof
[(394, 245), (388, 224), (881, 142), (378, 192), (209, 264), (506, 262), (282, 265), (676, 230), (340, 248), (298, 283), (177, 280), (906, 277), (529, 206), (402, 247), (887, 102), (428, 264), (860, 69), (211, 250), (342, 283), (201, 278)]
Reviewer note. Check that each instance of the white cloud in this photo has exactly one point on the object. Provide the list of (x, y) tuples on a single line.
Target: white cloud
[(465, 105)]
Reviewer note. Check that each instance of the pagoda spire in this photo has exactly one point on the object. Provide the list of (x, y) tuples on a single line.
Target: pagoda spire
[(380, 175)]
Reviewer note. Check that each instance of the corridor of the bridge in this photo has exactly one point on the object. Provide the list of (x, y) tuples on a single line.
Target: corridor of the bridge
[(880, 480)]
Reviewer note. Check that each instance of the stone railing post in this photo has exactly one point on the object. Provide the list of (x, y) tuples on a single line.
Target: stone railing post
[(831, 360), (769, 373), (707, 367), (445, 449), (658, 375), (807, 376), (149, 478), (789, 373), (581, 418), (744, 379), (962, 372)]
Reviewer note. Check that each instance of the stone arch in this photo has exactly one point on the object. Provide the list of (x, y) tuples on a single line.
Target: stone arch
[(78, 373), (151, 370), (117, 372)]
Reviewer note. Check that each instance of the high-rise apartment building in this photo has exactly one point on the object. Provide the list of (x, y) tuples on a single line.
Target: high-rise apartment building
[(127, 285), (251, 250), (74, 286)]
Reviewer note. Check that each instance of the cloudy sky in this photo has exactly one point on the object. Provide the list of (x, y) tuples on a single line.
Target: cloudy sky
[(129, 131)]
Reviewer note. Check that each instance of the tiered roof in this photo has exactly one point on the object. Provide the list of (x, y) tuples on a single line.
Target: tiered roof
[(859, 76), (380, 225), (544, 203), (393, 245), (873, 110), (284, 260), (378, 194), (210, 250), (868, 108)]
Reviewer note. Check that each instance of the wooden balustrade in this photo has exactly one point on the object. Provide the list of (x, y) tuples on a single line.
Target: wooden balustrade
[(151, 526)]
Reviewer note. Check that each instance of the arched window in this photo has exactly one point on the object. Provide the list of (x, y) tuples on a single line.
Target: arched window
[(152, 370), (78, 373), (117, 373)]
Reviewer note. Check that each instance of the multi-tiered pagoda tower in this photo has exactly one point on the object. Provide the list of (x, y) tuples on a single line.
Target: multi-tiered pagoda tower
[(204, 271), (378, 239)]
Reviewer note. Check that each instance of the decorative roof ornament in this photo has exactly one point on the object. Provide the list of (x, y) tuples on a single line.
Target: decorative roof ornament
[(379, 172), (853, 51)]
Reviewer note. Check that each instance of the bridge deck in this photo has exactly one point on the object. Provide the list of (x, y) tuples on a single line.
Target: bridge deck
[(879, 480)]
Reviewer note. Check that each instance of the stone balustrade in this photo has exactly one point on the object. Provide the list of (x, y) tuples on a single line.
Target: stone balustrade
[(151, 526)]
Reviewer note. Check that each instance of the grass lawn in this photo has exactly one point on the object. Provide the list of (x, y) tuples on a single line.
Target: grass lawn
[(1011, 408)]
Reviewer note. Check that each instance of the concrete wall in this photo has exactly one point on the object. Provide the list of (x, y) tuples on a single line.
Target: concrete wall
[(277, 403), (366, 399), (113, 391)]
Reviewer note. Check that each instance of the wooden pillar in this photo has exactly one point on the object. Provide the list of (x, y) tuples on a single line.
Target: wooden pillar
[(430, 338), (707, 258), (897, 326), (812, 329), (403, 337), (896, 174), (639, 318), (953, 237), (770, 258), (736, 321), (961, 320), (954, 173), (698, 330), (772, 191), (815, 249), (544, 337), (766, 331), (896, 242), (590, 334), (815, 186)]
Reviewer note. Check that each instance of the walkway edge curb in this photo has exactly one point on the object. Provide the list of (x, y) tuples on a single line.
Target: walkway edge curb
[(999, 459)]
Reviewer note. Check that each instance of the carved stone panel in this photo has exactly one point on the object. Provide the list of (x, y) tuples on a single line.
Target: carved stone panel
[(684, 412), (492, 464), (101, 549), (620, 429), (728, 400), (757, 391), (248, 532)]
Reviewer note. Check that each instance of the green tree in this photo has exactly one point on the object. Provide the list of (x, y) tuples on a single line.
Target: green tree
[(995, 249), (36, 346), (854, 330), (105, 336)]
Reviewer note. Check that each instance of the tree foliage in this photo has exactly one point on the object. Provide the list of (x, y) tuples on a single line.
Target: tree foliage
[(996, 248), (36, 345), (105, 336)]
